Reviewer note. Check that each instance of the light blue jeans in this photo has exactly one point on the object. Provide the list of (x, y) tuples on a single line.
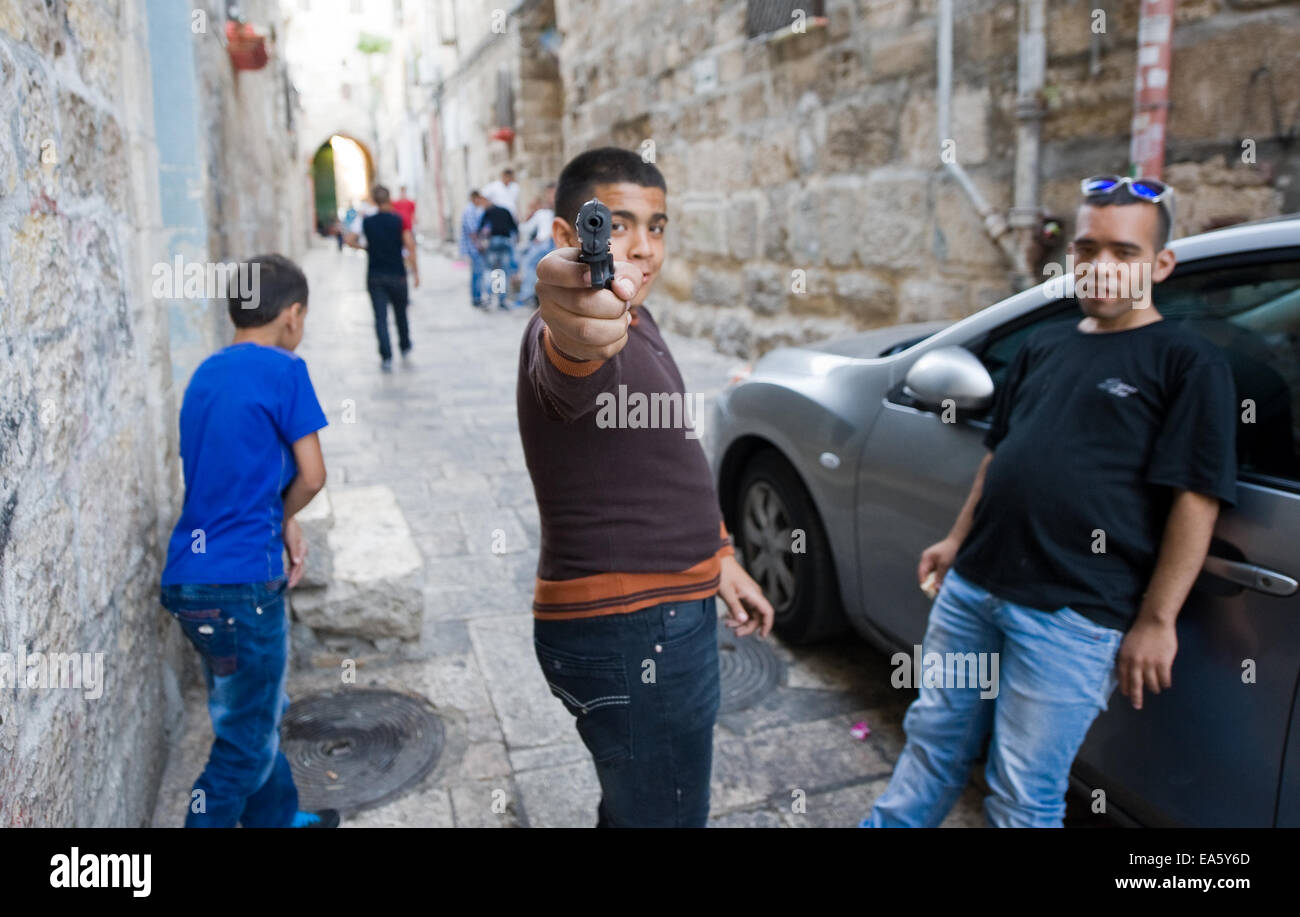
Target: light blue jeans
[(1056, 671), (528, 272)]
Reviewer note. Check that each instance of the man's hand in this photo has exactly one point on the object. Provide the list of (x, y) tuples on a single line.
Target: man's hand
[(585, 324), (296, 545), (748, 609), (936, 559), (1146, 659), (412, 262)]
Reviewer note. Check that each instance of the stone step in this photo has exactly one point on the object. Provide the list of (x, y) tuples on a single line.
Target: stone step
[(375, 587)]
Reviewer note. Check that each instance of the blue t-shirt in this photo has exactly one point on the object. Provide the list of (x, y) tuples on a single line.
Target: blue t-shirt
[(244, 408)]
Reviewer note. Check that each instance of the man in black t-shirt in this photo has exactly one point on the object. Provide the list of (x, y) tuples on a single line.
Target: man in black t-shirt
[(1112, 446), (499, 228), (390, 249)]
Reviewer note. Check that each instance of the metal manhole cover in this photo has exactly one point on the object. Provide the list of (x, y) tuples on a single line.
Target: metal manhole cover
[(354, 749), (750, 669)]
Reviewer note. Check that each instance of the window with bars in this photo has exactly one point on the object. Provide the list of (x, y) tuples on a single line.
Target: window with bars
[(765, 16), (505, 99)]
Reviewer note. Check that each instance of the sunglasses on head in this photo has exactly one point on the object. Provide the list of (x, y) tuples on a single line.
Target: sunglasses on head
[(1149, 189)]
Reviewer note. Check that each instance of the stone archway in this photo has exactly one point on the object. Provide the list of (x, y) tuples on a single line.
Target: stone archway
[(342, 170)]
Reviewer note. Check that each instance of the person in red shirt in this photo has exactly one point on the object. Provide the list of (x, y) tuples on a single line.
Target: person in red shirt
[(405, 208)]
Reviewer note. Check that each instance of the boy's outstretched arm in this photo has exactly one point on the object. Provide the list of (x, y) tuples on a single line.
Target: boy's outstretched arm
[(585, 324)]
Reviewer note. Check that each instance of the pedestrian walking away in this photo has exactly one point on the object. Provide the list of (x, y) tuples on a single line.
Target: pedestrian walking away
[(391, 251), (504, 192), (470, 220), (498, 228), (537, 231)]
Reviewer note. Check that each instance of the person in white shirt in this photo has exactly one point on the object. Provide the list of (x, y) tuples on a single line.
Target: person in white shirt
[(538, 228), (504, 192)]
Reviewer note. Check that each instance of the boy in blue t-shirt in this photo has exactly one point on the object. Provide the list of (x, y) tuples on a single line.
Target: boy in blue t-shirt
[(252, 460)]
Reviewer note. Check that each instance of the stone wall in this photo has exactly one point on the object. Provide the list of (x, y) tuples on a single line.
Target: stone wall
[(818, 153), (111, 162), (467, 100)]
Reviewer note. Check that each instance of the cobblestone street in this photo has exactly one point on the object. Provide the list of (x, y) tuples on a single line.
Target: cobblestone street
[(440, 434)]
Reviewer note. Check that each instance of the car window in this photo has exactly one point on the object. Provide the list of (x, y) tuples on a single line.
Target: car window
[(1000, 351), (1252, 312)]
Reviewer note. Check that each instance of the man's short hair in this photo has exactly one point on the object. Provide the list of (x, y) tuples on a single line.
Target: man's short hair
[(380, 195), (1122, 195), (473, 194), (606, 165), (510, 172), (275, 283)]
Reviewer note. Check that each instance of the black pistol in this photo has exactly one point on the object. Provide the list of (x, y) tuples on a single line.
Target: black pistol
[(593, 236)]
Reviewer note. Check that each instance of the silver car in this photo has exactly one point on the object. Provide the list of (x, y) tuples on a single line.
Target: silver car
[(836, 468)]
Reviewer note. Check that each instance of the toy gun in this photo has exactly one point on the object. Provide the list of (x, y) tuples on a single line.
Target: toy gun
[(593, 226)]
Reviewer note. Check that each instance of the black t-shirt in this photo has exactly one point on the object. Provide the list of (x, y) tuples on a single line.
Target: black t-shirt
[(383, 232), (499, 218), (1091, 435)]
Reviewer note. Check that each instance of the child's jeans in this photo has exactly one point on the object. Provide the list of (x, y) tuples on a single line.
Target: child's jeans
[(242, 634), (1056, 673)]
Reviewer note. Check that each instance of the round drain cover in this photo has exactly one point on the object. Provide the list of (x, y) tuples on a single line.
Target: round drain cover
[(354, 749), (750, 670)]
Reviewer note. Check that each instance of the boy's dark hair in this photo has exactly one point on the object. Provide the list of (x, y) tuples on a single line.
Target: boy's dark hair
[(606, 165), (273, 285), (473, 194), (1121, 195), (380, 195)]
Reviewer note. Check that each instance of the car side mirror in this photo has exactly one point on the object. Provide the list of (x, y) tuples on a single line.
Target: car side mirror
[(949, 373)]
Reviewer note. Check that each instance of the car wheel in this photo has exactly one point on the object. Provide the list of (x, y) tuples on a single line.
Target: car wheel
[(771, 509)]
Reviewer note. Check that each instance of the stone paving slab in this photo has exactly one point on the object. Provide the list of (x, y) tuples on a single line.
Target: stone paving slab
[(439, 434)]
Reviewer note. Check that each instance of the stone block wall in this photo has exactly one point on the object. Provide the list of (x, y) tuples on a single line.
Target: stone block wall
[(82, 444), (94, 193), (805, 191)]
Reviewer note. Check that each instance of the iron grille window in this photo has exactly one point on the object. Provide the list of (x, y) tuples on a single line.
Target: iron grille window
[(505, 99), (764, 16)]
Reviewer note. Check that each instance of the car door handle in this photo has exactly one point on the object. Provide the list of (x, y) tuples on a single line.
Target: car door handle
[(1261, 579)]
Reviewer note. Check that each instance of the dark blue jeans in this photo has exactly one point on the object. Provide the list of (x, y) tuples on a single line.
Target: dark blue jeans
[(386, 288), (242, 635), (644, 691)]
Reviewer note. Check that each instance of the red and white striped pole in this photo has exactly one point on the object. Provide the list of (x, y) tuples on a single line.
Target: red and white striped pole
[(1151, 88)]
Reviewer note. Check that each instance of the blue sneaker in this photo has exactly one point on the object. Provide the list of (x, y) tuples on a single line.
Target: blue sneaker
[(325, 818)]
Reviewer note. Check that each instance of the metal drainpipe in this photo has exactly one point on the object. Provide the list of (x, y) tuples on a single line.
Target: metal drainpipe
[(1031, 70), (1151, 88), (994, 224)]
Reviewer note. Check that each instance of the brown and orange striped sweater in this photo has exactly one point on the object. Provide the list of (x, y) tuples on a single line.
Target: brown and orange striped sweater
[(629, 513)]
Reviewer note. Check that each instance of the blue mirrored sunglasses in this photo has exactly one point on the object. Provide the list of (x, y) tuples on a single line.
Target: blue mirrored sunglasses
[(1149, 189)]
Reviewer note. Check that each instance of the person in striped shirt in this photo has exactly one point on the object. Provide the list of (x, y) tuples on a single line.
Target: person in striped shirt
[(634, 548)]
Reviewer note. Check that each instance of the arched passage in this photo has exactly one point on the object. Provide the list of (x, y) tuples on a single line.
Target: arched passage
[(342, 172)]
